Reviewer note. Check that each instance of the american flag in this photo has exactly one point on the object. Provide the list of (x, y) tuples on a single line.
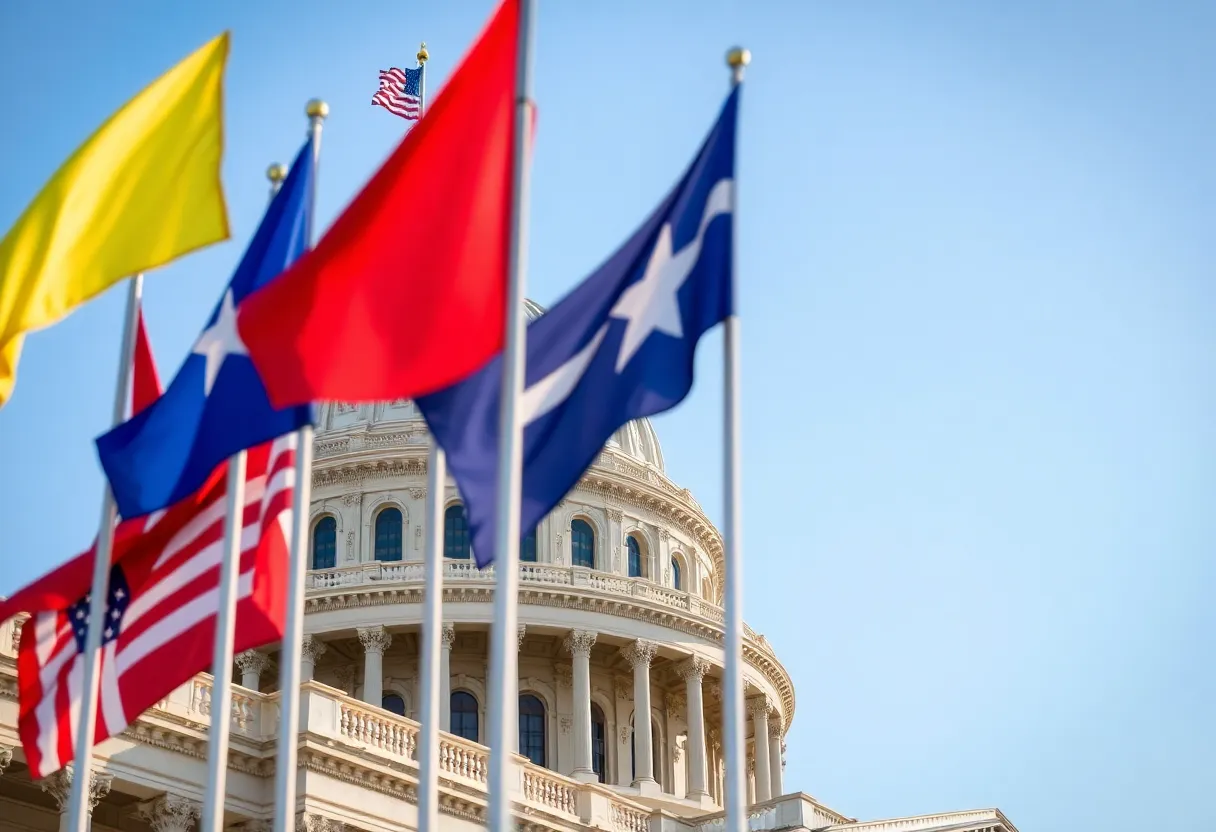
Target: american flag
[(400, 92), (160, 611)]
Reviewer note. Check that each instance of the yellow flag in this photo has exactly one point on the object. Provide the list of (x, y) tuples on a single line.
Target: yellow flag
[(142, 191)]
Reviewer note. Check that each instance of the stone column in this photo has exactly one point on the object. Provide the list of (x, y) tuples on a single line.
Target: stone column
[(579, 643), (759, 712), (6, 757), (521, 631), (311, 649), (170, 813), (639, 654), (375, 641), (447, 637), (693, 672), (251, 663), (751, 776), (59, 786), (774, 756)]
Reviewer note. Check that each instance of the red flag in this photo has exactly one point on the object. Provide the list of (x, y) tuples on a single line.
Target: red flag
[(406, 293), (145, 383)]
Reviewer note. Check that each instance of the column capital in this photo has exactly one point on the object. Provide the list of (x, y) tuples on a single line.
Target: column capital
[(639, 653), (758, 707), (774, 726), (170, 813), (447, 635), (251, 661), (312, 648), (59, 786), (520, 632), (374, 639), (308, 822), (579, 643), (693, 669), (6, 757)]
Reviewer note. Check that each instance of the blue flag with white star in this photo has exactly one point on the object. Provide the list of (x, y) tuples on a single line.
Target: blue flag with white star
[(619, 347), (216, 404)]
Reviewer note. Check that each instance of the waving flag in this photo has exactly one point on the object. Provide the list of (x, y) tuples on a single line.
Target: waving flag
[(400, 92), (160, 610), (617, 348), (216, 404), (364, 317)]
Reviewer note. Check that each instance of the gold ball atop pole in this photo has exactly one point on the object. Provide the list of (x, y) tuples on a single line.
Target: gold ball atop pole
[(423, 55), (738, 58), (316, 108), (276, 173)]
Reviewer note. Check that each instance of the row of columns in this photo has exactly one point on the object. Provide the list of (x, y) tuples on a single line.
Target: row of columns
[(578, 643)]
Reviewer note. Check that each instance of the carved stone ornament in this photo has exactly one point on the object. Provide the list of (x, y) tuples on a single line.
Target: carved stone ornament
[(616, 515), (350, 547), (345, 407), (675, 753), (626, 731), (675, 704), (251, 661), (664, 535), (345, 677), (692, 668), (623, 687), (447, 635), (639, 653), (758, 707), (558, 557), (252, 825), (6, 757), (312, 649), (59, 786), (375, 639), (580, 642), (565, 675), (774, 726), (521, 631), (352, 499), (170, 813), (565, 724), (308, 822), (616, 559), (417, 493)]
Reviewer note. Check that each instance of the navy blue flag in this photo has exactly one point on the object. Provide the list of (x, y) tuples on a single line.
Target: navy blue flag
[(216, 404), (619, 347)]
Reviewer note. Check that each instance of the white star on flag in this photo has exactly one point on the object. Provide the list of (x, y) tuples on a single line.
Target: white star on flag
[(219, 341)]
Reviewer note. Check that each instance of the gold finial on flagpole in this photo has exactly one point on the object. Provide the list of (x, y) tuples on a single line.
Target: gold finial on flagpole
[(276, 173), (316, 108), (737, 59), (423, 55)]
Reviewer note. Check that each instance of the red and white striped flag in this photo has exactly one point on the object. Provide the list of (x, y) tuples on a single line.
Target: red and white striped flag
[(161, 609), (400, 92)]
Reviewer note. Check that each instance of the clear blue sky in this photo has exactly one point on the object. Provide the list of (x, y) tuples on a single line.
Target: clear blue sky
[(976, 261)]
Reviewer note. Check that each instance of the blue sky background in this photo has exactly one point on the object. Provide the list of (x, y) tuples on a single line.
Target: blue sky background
[(976, 278)]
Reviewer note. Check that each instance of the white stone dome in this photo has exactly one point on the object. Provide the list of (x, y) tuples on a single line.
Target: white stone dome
[(637, 440)]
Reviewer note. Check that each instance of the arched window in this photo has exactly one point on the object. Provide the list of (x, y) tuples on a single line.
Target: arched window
[(464, 715), (582, 544), (393, 702), (388, 534), (635, 556), (527, 548), (677, 580), (456, 533), (532, 728), (599, 730), (325, 543)]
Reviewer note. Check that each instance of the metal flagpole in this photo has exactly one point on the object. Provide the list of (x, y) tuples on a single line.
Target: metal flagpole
[(285, 773), (432, 601), (504, 648), (86, 724), (732, 694)]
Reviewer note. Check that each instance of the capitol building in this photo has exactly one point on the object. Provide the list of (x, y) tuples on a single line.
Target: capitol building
[(620, 667)]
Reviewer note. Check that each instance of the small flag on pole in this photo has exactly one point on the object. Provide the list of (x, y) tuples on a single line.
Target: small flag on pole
[(617, 348), (400, 92)]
